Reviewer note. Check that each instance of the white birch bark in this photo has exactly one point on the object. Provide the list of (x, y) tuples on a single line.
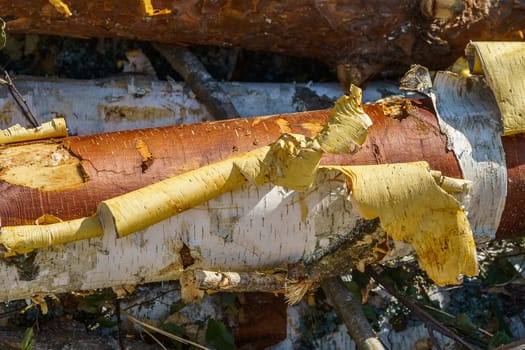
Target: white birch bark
[(469, 116), (133, 102)]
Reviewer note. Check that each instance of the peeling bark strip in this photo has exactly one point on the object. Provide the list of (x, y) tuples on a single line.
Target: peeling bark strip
[(339, 31), (474, 111), (16, 133), (502, 65), (470, 118)]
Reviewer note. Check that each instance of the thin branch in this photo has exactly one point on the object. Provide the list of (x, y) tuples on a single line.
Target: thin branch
[(119, 324), (147, 301), (3, 37), (155, 339), (481, 330), (199, 80), (20, 100), (424, 316), (146, 326), (350, 310), (12, 312)]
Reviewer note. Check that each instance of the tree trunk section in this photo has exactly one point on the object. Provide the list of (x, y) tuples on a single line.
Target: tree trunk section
[(363, 36), (253, 228)]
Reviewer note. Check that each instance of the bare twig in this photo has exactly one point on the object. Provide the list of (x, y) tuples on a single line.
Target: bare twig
[(515, 345), (199, 80), (149, 300), (119, 324), (234, 281), (155, 339), (424, 316), (481, 330), (350, 310), (12, 312), (151, 328), (20, 100)]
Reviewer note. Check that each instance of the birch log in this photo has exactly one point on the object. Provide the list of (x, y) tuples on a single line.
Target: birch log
[(135, 102), (361, 36), (252, 228)]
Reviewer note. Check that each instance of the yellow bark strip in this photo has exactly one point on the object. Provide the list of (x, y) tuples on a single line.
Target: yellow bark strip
[(291, 161), (25, 238), (16, 133), (413, 208), (144, 207), (342, 134), (61, 7), (503, 64), (149, 11)]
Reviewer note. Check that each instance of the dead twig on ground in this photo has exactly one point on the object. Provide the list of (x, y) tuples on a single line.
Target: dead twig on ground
[(149, 328), (350, 310), (424, 316)]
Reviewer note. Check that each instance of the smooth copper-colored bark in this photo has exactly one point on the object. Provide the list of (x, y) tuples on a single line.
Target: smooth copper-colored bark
[(512, 223), (114, 163), (367, 34)]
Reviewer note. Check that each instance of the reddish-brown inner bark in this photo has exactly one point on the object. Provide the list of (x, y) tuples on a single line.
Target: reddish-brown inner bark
[(512, 223)]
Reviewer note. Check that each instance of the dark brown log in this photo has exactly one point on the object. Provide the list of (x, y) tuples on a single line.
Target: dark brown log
[(367, 35)]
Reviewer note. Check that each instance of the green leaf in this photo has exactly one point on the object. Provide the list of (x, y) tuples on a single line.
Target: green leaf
[(360, 278), (177, 306), (177, 331), (105, 322), (501, 271), (398, 276), (499, 338), (500, 317), (218, 336), (29, 341), (92, 304), (174, 329), (465, 324), (354, 288), (370, 314), (228, 298)]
